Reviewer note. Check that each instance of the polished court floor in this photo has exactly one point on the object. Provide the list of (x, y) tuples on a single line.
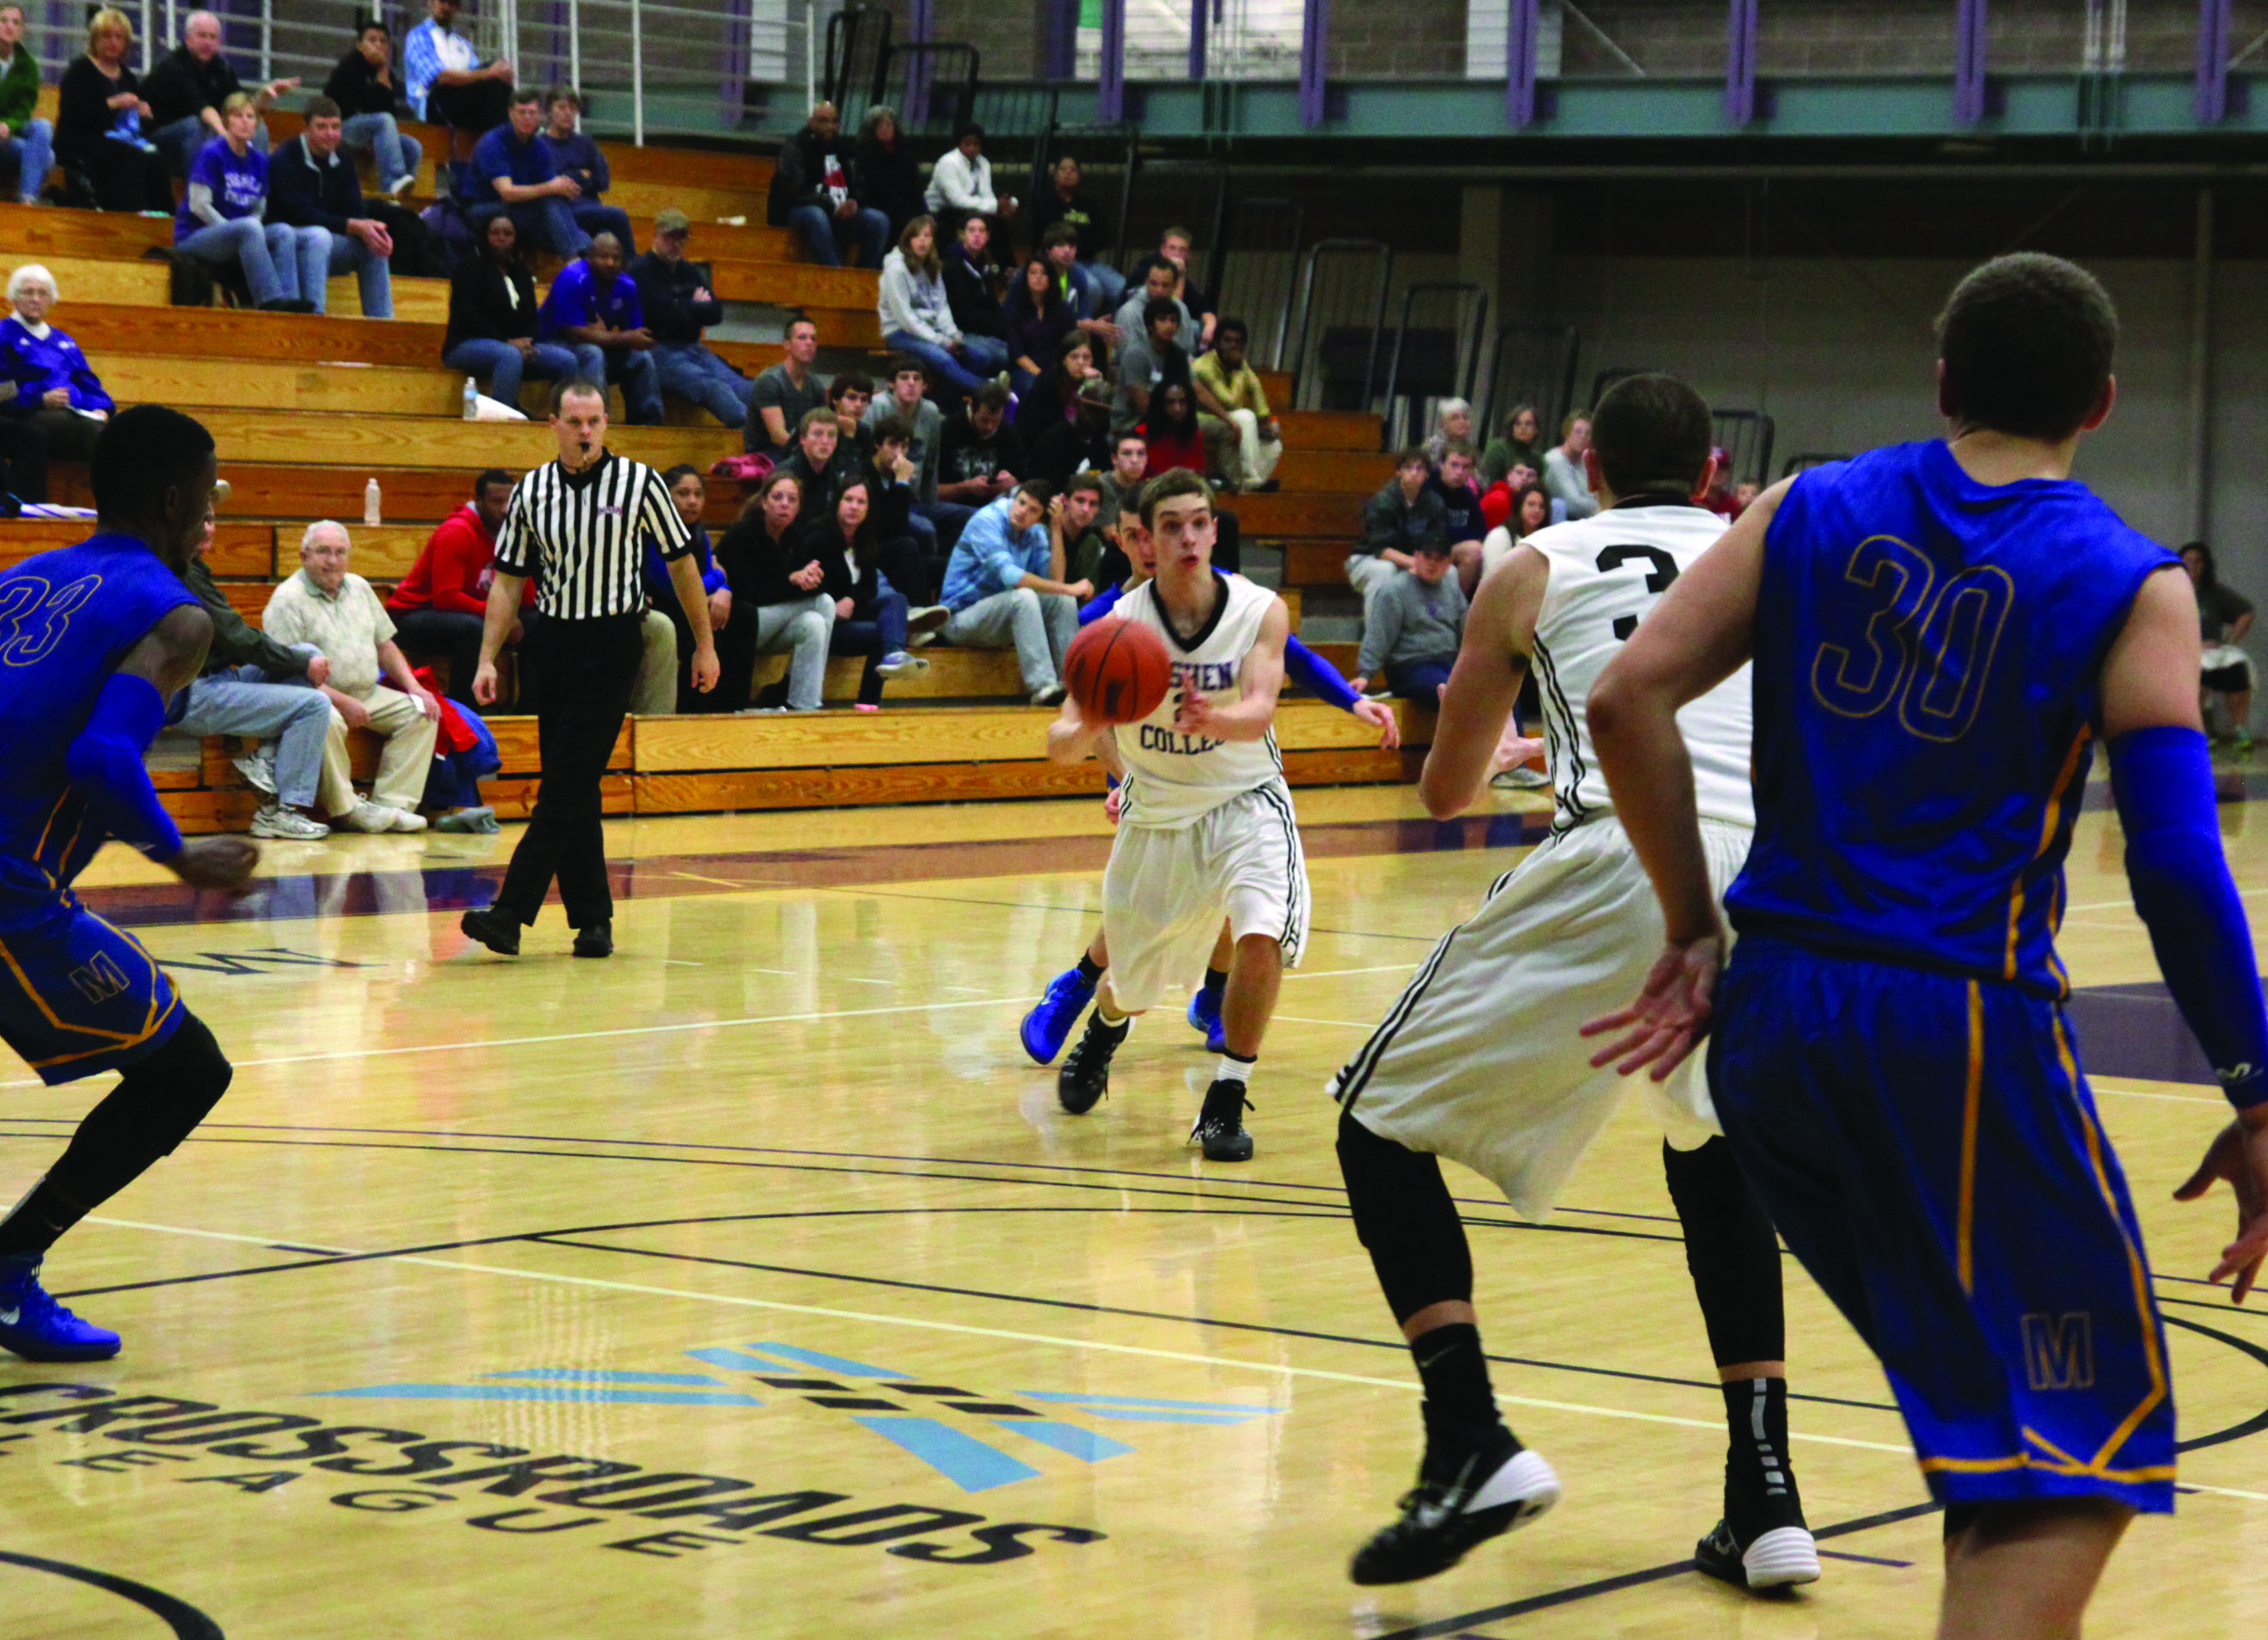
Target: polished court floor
[(751, 1284)]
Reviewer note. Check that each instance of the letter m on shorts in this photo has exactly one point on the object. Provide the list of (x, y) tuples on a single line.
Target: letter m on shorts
[(2060, 1351), (99, 979)]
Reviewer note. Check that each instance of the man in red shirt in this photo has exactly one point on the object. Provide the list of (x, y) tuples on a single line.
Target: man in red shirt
[(438, 606)]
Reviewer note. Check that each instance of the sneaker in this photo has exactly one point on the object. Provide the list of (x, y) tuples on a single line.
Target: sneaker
[(898, 661), (405, 820), (274, 820), (1048, 1025), (365, 816), (1498, 1488), (597, 940), (493, 927), (1220, 1124), (1052, 695), (1205, 1018), (1519, 777), (1777, 1559), (400, 186), (259, 772), (924, 622), (475, 820), (35, 1327), (1085, 1074)]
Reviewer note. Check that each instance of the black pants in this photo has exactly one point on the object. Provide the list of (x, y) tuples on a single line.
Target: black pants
[(475, 106), (128, 178), (449, 632), (24, 448), (589, 668)]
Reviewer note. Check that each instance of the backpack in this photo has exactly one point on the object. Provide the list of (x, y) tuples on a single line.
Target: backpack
[(189, 282), (418, 253)]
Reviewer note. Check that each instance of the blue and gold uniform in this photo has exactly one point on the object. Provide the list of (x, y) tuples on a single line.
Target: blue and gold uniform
[(1891, 1057), (77, 996)]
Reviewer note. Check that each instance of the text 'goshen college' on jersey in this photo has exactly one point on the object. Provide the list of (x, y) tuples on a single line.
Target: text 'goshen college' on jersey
[(1173, 778)]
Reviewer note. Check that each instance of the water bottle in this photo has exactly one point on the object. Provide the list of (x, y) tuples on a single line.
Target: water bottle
[(370, 510), (472, 400)]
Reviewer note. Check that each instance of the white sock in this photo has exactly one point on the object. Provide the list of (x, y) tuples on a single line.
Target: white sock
[(1234, 1069)]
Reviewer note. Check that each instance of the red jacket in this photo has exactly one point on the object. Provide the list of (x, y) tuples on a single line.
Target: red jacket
[(1167, 452), (453, 572)]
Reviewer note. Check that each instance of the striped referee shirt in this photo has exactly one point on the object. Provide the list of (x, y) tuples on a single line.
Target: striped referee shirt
[(583, 535)]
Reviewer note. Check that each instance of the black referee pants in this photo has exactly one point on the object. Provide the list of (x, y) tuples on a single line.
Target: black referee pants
[(589, 668)]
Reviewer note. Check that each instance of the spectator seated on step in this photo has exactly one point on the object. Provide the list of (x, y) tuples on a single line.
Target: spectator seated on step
[(917, 318), (889, 176), (369, 96), (493, 318), (188, 92), (58, 402), (1461, 520), (511, 173), (1148, 358), (24, 138), (679, 305), (1100, 285), (779, 601), (326, 604), (1452, 423), (909, 555), (1232, 406), (1048, 401), (1412, 626), (593, 307), (576, 157), (464, 751), (971, 293), (1006, 585), (1132, 319), (1174, 249), (961, 182), (1040, 317), (689, 494), (819, 465), (2224, 618), (783, 393), (1081, 445), (101, 122), (851, 395), (869, 612), (448, 84), (981, 457), (437, 607), (223, 222), (935, 525), (1071, 519), (1562, 467), (313, 191), (1405, 515), (1121, 480), (815, 194)]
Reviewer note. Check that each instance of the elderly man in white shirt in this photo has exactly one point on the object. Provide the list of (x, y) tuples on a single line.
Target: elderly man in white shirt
[(337, 612)]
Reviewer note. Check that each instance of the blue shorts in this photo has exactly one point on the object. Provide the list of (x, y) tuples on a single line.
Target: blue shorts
[(77, 996), (1929, 1150)]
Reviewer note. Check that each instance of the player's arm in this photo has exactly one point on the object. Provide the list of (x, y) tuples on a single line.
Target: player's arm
[(103, 760), (1484, 685), (1311, 671), (2162, 776), (1071, 737), (1695, 638), (1259, 681)]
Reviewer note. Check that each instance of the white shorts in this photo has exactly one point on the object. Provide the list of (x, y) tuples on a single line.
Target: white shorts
[(1165, 892), (1480, 1060)]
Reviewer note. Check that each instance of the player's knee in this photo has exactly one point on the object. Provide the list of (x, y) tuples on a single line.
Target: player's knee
[(1260, 948), (163, 1098)]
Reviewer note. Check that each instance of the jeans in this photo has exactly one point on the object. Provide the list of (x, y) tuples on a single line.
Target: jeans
[(595, 218), (882, 633), (1100, 288), (450, 632), (545, 223), (268, 252), (1367, 573), (180, 142), (397, 156), (693, 373), (825, 237), (502, 363), (240, 700), (799, 626), (343, 253), (1039, 625), (588, 669), (631, 368), (987, 356), (942, 360), (33, 146), (1419, 679)]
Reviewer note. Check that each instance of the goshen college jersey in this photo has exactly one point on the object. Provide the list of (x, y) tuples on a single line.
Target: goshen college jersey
[(1174, 779), (1606, 572)]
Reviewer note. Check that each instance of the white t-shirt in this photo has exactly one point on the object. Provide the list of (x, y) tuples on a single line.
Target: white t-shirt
[(1175, 779)]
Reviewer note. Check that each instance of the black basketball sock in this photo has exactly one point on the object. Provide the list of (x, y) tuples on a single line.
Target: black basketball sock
[(1216, 979), (1460, 1403), (1759, 1481), (1090, 971)]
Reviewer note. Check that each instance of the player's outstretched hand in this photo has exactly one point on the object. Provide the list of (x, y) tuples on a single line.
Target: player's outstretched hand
[(1671, 1014), (2239, 1153), (1380, 717), (216, 863)]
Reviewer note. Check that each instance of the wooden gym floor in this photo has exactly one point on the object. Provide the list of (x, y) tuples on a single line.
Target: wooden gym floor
[(751, 1285)]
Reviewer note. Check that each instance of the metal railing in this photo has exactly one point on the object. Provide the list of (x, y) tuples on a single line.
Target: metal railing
[(1256, 269), (1191, 194), (1533, 362), (1746, 438), (1109, 157), (931, 84), (1424, 368), (857, 40), (1323, 358)]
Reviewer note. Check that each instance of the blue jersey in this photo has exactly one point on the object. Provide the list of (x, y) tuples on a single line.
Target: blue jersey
[(1928, 658), (67, 618)]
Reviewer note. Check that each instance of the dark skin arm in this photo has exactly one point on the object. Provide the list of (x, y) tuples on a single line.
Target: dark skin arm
[(170, 656)]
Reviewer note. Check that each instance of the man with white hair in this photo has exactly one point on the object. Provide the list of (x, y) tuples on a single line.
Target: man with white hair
[(185, 93), (324, 605), (52, 404)]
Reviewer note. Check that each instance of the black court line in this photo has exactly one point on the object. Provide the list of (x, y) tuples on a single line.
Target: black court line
[(185, 1620)]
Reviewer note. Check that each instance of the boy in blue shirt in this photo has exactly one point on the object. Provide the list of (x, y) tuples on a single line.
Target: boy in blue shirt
[(593, 307), (577, 158), (1005, 586)]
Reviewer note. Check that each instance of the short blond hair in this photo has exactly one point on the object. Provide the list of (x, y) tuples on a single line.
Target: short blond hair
[(236, 102), (109, 18)]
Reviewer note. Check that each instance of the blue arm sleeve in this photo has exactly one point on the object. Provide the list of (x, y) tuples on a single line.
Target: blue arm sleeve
[(2162, 778), (1104, 602), (1311, 671), (105, 766)]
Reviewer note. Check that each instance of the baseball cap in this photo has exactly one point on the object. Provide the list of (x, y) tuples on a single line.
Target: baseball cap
[(671, 220)]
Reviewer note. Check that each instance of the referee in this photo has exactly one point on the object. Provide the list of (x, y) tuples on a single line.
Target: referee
[(579, 526)]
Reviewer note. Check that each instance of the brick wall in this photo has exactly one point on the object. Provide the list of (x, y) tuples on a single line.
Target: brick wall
[(1396, 38)]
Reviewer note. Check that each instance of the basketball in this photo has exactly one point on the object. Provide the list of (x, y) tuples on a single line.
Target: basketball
[(1118, 672)]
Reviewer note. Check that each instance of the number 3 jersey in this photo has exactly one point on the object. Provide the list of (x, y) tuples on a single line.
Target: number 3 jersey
[(1606, 572), (1928, 660), (1175, 779)]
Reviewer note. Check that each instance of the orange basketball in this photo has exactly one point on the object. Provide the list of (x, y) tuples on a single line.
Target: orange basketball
[(1117, 671)]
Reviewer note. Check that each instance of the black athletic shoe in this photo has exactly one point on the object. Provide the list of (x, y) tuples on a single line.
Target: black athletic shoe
[(495, 928), (1085, 1074), (1500, 1486), (1773, 1559), (598, 940), (1220, 1124)]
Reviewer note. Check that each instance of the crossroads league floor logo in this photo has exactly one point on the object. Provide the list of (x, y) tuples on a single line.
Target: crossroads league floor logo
[(967, 1450)]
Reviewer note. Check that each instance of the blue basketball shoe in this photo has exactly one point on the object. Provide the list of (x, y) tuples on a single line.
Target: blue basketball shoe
[(35, 1327), (1204, 1016), (1049, 1025)]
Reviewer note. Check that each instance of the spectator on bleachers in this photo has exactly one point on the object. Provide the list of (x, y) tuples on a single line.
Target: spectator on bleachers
[(58, 400), (313, 190), (1006, 588), (1133, 316), (1129, 469), (99, 119), (1531, 511), (492, 319), (464, 753), (679, 305), (980, 455), (1562, 467), (851, 395), (1744, 495), (907, 557), (593, 307), (871, 613), (1081, 445), (1403, 516), (511, 173), (582, 161), (783, 393), (1453, 421), (1051, 399), (1171, 430), (782, 602), (326, 604), (908, 401), (689, 494), (1513, 446), (1230, 395), (449, 85), (889, 174), (1497, 498), (1451, 480), (188, 92), (1072, 521), (1148, 359), (364, 86), (815, 193), (1173, 248), (968, 292), (1038, 319), (1059, 249), (961, 182), (437, 607), (2224, 618), (24, 138), (1411, 628), (1101, 287), (222, 219), (917, 316), (817, 464)]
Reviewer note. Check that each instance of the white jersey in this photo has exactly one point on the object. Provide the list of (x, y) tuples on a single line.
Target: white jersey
[(1605, 573), (1174, 779)]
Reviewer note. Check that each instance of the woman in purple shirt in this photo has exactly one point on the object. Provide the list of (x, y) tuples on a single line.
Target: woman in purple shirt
[(219, 222)]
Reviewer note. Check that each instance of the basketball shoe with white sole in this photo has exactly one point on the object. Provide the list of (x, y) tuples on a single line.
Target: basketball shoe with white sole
[(1495, 1488)]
